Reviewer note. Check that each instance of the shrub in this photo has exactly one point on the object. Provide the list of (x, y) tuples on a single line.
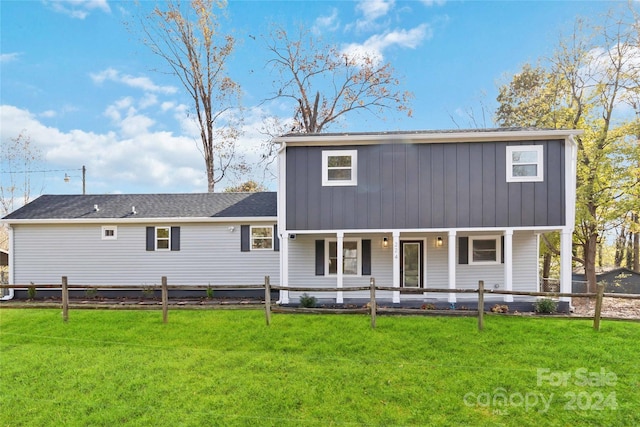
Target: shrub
[(428, 306), (91, 292), (545, 305), (307, 300), (209, 292), (148, 292), (31, 291)]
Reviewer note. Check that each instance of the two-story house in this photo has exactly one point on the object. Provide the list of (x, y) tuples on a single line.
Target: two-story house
[(427, 209), (424, 209)]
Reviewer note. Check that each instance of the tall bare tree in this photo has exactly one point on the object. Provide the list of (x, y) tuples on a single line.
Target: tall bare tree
[(188, 37), (324, 83), (17, 157)]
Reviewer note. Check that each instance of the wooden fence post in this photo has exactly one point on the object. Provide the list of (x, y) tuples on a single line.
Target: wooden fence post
[(267, 299), (65, 299), (480, 305), (596, 317), (165, 300), (372, 303)]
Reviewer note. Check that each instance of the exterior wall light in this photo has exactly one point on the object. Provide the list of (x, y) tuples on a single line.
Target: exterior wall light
[(439, 242), (385, 242)]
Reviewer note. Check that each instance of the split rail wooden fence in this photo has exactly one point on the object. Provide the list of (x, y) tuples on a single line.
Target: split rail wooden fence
[(371, 308)]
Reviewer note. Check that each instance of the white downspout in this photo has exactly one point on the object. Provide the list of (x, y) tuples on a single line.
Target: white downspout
[(396, 266), (508, 263), (282, 224), (452, 248), (10, 295), (340, 273)]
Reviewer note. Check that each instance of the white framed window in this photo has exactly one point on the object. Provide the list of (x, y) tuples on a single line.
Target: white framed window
[(261, 237), (351, 257), (525, 163), (485, 250), (339, 167), (109, 232), (163, 238)]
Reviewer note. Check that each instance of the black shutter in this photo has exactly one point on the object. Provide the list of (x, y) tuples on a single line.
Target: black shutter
[(319, 257), (151, 238), (366, 257), (463, 250), (175, 238), (502, 249), (245, 238), (276, 239)]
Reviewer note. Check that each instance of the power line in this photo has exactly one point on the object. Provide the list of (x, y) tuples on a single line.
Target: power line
[(41, 171)]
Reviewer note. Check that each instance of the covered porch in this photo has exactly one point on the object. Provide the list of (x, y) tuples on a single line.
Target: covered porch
[(505, 259)]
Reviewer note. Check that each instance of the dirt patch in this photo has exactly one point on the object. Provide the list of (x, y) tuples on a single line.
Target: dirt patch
[(611, 307)]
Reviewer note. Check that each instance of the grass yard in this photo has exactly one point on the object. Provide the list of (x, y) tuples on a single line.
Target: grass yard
[(107, 368)]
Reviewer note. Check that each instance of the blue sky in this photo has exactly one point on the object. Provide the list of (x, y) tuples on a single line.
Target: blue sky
[(88, 92)]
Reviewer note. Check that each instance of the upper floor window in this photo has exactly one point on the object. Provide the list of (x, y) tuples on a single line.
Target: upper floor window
[(525, 163), (261, 238), (339, 167)]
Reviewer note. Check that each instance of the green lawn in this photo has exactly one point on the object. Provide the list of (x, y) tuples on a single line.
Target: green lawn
[(106, 368)]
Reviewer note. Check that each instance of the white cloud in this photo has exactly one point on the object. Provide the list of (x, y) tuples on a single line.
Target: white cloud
[(323, 24), (148, 100), (48, 114), (125, 116), (374, 9), (9, 57), (375, 45), (430, 3), (78, 9), (144, 83), (135, 159), (167, 105)]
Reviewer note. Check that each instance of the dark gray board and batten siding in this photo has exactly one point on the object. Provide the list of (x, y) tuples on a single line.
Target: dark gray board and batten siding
[(411, 186)]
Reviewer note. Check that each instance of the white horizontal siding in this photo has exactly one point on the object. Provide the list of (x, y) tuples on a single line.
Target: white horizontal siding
[(302, 266), (525, 265), (209, 254), (302, 263), (525, 261)]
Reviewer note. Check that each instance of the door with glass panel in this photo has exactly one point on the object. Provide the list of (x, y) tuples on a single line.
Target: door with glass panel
[(411, 264)]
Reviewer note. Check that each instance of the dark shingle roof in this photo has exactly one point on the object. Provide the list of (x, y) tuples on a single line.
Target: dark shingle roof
[(119, 206)]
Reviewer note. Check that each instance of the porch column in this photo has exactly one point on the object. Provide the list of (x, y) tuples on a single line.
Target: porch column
[(565, 263), (396, 266), (452, 246), (284, 267), (508, 264), (340, 275)]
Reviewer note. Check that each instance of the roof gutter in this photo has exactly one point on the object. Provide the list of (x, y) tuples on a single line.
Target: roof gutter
[(141, 220), (424, 137)]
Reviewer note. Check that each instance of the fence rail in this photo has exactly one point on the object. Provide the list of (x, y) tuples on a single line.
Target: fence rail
[(372, 306)]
